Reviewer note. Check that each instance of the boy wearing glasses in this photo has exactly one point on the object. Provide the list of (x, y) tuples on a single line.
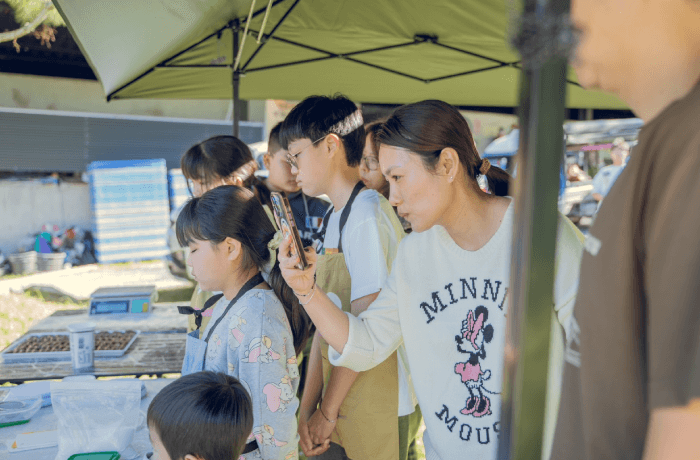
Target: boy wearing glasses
[(308, 211), (345, 414)]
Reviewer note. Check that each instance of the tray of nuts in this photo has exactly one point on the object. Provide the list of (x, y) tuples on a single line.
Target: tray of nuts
[(55, 346)]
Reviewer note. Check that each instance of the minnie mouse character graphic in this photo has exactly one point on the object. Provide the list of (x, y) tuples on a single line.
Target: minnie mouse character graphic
[(475, 333)]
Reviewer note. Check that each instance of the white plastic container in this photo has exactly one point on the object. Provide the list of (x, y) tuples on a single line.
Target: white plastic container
[(16, 412), (82, 347)]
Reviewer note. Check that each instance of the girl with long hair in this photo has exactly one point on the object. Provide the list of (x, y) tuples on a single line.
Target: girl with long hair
[(257, 326)]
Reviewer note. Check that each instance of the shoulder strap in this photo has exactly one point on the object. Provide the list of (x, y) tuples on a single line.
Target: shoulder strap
[(343, 217), (250, 284), (346, 213)]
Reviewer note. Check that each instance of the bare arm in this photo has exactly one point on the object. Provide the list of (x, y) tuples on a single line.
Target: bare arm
[(673, 433), (376, 334), (313, 387), (313, 384), (330, 320)]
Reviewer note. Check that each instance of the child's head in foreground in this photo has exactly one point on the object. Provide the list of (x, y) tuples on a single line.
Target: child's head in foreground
[(201, 416)]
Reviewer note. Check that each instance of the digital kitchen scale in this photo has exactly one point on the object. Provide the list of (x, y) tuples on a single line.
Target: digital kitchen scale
[(122, 300)]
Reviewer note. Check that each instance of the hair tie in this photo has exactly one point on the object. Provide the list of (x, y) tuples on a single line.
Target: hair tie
[(244, 172), (275, 242), (485, 166), (348, 124), (272, 246)]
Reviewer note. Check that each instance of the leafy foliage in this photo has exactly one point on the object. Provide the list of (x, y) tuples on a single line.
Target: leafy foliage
[(27, 10)]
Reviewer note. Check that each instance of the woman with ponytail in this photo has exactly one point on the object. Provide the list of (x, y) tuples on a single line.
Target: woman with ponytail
[(446, 298), (257, 325)]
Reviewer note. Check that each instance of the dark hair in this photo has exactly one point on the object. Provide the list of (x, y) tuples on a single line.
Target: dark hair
[(205, 414), (372, 131), (230, 211), (314, 117), (273, 141), (221, 157), (427, 127)]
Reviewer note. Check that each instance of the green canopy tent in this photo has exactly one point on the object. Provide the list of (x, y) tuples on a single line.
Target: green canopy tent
[(381, 52)]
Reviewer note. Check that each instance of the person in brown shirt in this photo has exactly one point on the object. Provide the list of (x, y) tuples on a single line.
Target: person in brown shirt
[(632, 381)]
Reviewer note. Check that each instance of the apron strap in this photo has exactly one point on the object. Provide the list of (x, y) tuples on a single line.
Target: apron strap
[(250, 284), (346, 213), (250, 447), (185, 310), (343, 218)]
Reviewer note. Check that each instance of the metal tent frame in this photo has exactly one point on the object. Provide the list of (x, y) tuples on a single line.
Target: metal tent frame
[(238, 26)]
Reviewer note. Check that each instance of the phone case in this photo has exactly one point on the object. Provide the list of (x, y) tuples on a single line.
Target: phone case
[(285, 221)]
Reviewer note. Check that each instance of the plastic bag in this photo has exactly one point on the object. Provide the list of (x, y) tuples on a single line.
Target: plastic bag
[(95, 416)]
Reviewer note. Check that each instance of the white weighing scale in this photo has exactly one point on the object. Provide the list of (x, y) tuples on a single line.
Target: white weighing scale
[(122, 300)]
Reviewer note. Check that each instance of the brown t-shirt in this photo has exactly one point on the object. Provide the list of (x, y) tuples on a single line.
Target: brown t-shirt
[(638, 305)]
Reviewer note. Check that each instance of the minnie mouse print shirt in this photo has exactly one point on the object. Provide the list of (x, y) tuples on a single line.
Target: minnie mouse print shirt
[(449, 306)]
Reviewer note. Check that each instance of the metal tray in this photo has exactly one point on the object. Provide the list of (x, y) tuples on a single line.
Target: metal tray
[(58, 355)]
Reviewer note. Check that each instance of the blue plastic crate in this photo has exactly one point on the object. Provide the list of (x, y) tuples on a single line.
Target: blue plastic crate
[(131, 254), (177, 189), (130, 205), (119, 164)]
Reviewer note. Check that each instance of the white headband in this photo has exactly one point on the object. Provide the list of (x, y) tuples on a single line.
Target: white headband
[(348, 124)]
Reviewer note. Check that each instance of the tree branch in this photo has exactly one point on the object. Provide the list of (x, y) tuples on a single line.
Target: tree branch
[(29, 27)]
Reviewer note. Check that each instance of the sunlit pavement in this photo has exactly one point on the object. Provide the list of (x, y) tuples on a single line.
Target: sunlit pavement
[(80, 282)]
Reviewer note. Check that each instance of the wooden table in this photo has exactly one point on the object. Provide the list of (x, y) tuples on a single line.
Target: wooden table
[(158, 350)]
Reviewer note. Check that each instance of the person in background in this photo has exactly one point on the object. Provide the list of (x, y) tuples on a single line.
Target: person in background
[(632, 381), (604, 180), (370, 174), (308, 211), (185, 425), (574, 173), (219, 160), (446, 296)]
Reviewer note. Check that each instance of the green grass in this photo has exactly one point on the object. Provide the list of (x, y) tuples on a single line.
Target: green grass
[(46, 295), (176, 295), (12, 276)]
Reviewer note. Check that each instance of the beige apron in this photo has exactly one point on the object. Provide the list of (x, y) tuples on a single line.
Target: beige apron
[(368, 424)]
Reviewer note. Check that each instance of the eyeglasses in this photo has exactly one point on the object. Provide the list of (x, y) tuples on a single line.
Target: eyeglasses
[(292, 157), (371, 162)]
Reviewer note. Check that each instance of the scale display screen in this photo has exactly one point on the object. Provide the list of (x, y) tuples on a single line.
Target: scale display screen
[(109, 306)]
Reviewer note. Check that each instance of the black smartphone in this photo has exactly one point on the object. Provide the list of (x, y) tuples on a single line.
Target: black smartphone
[(285, 221)]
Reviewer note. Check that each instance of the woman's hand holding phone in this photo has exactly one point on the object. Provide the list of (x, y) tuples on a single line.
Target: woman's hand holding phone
[(301, 281)]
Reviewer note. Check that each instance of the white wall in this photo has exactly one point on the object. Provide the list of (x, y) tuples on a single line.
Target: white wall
[(26, 205)]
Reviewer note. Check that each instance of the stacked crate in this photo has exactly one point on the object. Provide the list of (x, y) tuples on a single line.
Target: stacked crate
[(179, 193), (129, 201)]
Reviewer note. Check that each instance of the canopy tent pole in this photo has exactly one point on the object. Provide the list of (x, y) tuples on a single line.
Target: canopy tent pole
[(544, 40), (236, 80)]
